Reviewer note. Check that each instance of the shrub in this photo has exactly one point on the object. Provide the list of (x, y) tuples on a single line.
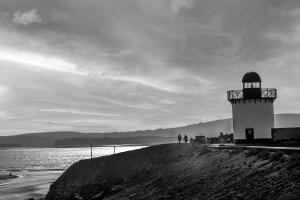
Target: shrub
[(252, 152), (294, 161), (249, 164), (282, 159), (205, 150), (264, 155), (235, 151), (276, 156)]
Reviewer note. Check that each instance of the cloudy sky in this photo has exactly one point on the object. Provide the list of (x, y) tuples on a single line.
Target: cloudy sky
[(118, 65)]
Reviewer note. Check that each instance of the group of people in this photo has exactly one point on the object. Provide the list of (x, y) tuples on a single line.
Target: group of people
[(185, 138)]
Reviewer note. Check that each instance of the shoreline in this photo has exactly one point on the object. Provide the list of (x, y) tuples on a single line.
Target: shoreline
[(7, 177), (80, 146), (28, 184), (34, 176)]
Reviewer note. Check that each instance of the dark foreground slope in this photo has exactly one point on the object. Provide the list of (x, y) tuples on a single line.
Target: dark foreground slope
[(179, 171)]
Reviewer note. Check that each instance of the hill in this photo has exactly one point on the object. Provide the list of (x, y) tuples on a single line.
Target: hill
[(208, 129), (182, 171), (141, 140), (45, 139), (287, 120)]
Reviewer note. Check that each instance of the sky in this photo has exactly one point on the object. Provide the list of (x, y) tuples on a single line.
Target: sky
[(121, 65)]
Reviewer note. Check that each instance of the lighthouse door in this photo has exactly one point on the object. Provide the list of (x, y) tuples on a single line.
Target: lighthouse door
[(249, 134)]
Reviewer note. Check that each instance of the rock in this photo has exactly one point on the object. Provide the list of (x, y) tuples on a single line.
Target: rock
[(117, 188), (98, 196), (77, 197), (133, 195)]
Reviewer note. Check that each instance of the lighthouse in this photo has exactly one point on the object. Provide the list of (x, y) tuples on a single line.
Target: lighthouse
[(252, 110)]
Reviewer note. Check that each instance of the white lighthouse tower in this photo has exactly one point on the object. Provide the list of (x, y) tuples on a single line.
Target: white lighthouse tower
[(252, 110)]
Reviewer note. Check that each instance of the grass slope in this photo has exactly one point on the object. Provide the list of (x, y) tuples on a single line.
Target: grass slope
[(179, 171)]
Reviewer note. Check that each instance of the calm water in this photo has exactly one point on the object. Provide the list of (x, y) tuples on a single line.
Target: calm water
[(51, 158), (37, 168)]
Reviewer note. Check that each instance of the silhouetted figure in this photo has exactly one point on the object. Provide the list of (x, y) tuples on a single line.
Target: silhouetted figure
[(179, 138), (9, 174), (185, 139), (192, 140), (221, 137)]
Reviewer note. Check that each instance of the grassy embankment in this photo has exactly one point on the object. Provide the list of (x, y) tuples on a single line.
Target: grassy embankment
[(179, 171)]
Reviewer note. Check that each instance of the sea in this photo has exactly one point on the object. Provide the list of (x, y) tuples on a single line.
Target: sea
[(37, 168)]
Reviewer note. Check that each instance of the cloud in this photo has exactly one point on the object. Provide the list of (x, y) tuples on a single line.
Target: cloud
[(4, 17), (122, 103), (141, 81), (36, 60), (3, 114), (77, 112), (6, 116), (27, 17), (177, 5), (292, 38), (3, 90), (159, 63)]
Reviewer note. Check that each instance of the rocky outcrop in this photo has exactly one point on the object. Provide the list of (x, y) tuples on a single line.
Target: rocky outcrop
[(179, 171)]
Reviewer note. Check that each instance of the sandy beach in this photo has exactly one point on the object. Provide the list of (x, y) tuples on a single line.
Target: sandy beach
[(24, 184)]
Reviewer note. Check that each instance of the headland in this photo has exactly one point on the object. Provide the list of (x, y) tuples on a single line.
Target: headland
[(183, 171)]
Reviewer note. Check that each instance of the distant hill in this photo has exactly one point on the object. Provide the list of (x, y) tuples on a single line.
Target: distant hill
[(45, 139), (209, 129), (58, 135), (287, 120), (141, 140)]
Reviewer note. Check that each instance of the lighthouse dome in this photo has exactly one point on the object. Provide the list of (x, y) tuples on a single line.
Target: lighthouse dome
[(251, 77)]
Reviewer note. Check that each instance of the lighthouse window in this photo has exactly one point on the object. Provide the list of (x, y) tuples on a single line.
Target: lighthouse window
[(251, 85)]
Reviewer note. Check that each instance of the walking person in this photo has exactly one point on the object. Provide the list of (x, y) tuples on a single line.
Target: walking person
[(185, 139), (179, 138)]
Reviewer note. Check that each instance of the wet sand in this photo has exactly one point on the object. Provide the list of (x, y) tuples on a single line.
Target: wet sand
[(27, 184), (7, 176)]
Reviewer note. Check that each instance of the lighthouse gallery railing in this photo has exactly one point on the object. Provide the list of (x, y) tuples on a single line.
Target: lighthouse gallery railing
[(266, 93)]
